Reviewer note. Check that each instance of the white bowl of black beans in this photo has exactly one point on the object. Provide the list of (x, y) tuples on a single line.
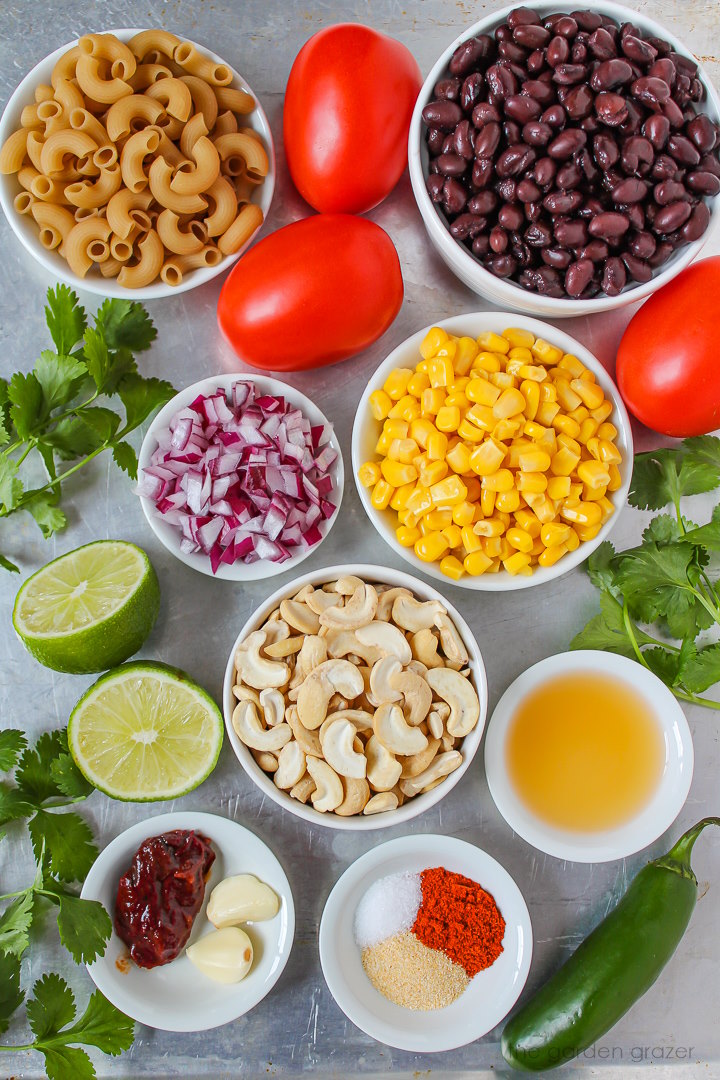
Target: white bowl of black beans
[(566, 161)]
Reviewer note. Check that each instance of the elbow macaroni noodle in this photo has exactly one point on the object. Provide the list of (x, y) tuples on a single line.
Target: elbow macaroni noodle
[(135, 159)]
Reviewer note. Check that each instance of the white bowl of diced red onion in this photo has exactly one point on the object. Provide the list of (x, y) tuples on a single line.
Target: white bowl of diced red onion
[(240, 477)]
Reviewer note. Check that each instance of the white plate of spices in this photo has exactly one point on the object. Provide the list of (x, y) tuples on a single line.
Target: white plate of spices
[(425, 943)]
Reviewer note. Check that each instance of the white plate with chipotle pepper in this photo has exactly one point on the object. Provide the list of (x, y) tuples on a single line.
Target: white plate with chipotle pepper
[(179, 995), (386, 932)]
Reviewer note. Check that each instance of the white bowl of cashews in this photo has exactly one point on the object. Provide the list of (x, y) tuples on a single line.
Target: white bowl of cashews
[(356, 697), (169, 235)]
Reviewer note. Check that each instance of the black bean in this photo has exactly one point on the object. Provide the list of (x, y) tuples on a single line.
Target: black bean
[(448, 145), (605, 150), (591, 208), (487, 140), (528, 191), (611, 108), (637, 155), (435, 140), (638, 269), (579, 51), (451, 164), (683, 150), (515, 160), (567, 74), (637, 49), (484, 202), (633, 121), (636, 213), (434, 184), (650, 91), (614, 276), (562, 202), (629, 191), (556, 257), (454, 196), (663, 69), (480, 245), (503, 33), (507, 189), (498, 240), (569, 176), (567, 143), (471, 54), (703, 133), (539, 90), (587, 20), (536, 62), (684, 64), (585, 161), (590, 124), (522, 16), (642, 244), (555, 116), (704, 183), (570, 234), (447, 90), (538, 235), (545, 171), (578, 276), (471, 91), (535, 133), (671, 217), (558, 51), (484, 113), (502, 266), (609, 226), (467, 225), (696, 224), (673, 112), (602, 44), (578, 102), (611, 179), (709, 163), (482, 173), (611, 74), (533, 211), (511, 132), (463, 137), (668, 191), (511, 217), (501, 82), (445, 115), (522, 108), (662, 253), (665, 168), (656, 130), (531, 36), (596, 251)]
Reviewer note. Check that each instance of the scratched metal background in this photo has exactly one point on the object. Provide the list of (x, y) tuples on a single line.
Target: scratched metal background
[(299, 1028)]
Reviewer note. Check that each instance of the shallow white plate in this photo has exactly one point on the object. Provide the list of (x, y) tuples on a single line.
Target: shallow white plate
[(490, 995), (170, 537), (660, 812), (177, 997)]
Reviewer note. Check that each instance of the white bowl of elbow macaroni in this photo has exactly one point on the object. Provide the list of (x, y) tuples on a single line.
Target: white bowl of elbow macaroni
[(139, 236)]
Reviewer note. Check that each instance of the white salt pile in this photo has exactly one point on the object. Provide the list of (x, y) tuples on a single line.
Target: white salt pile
[(389, 907)]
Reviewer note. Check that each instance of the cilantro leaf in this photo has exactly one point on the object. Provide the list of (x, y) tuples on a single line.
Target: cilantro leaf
[(12, 744), (703, 448), (106, 367), (703, 670), (51, 1007), (33, 775), (663, 529), (85, 927), (14, 805), (695, 477), (66, 1063), (68, 778), (126, 458), (11, 996), (11, 488), (104, 422), (5, 424), (70, 438), (68, 842), (60, 378), (599, 567), (664, 663), (15, 923), (101, 1025), (27, 410), (707, 536), (141, 397), (7, 565), (125, 324), (654, 481), (607, 630), (654, 580), (46, 513), (65, 318)]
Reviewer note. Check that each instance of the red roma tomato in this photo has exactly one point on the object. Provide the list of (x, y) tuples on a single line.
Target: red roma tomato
[(317, 291), (348, 104), (667, 363)]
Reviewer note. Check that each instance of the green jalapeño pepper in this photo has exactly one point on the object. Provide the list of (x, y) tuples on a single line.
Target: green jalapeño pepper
[(612, 968)]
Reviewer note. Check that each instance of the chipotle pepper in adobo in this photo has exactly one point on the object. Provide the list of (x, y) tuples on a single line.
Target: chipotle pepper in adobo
[(160, 894)]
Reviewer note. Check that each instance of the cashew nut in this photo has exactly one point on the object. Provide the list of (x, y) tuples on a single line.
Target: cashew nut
[(435, 724), (395, 734), (440, 767), (347, 585), (284, 647), (357, 795), (413, 766), (312, 654), (450, 640), (291, 766), (244, 693), (303, 594), (246, 723), (345, 643), (417, 694), (309, 741), (300, 617), (275, 630), (268, 762), (382, 677), (303, 790), (460, 695), (328, 792), (424, 647), (337, 745), (387, 638), (255, 670), (383, 768), (358, 611), (386, 599), (318, 600), (380, 803), (361, 719), (315, 693), (412, 614), (273, 706)]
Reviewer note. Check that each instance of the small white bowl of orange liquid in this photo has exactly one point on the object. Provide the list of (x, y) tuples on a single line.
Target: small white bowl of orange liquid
[(588, 756)]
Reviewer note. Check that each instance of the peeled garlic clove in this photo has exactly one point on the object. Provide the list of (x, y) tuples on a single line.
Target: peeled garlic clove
[(225, 955), (242, 898)]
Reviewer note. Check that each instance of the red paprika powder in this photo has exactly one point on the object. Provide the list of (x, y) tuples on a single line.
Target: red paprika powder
[(459, 918)]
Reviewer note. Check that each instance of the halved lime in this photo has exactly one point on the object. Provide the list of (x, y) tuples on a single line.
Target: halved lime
[(145, 732), (90, 609)]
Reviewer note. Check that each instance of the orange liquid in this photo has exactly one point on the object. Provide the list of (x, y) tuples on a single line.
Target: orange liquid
[(585, 752)]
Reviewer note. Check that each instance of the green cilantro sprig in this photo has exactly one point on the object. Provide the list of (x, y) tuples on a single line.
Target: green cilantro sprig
[(668, 580), (52, 1016), (52, 410), (48, 780)]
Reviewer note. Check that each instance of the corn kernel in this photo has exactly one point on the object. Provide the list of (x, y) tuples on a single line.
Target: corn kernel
[(474, 489), (554, 533), (432, 472), (572, 365), (519, 352), (506, 429), (590, 393), (461, 382), (453, 535), (380, 404), (471, 432), (602, 412), (515, 564), (546, 412), (407, 537), (587, 532), (420, 430), (467, 350), (499, 481), (558, 487), (488, 361), (401, 496), (509, 403), (565, 425), (575, 490), (381, 495), (503, 379), (448, 418), (588, 429), (423, 526), (451, 567), (544, 509), (432, 341), (482, 416), (459, 458), (607, 508), (531, 392), (533, 482), (489, 527), (615, 482), (606, 431), (395, 386), (487, 502), (487, 457), (609, 453), (383, 444), (431, 401), (533, 372), (470, 539), (458, 399), (519, 539), (431, 547), (579, 414), (369, 473), (545, 352), (437, 520), (437, 446), (593, 473), (403, 450), (567, 397), (527, 521), (396, 428), (580, 513), (476, 563), (440, 371), (493, 342), (552, 555), (547, 391), (507, 502), (407, 408), (493, 546), (448, 492), (519, 338), (482, 392), (533, 430), (590, 494), (418, 383), (534, 461), (514, 366), (463, 514)]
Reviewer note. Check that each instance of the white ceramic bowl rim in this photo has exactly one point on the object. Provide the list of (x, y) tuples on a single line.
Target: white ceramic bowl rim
[(413, 807), (509, 292), (663, 807), (54, 263), (170, 537), (406, 354)]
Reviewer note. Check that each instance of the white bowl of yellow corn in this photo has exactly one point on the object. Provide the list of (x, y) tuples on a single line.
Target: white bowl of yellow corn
[(502, 462)]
